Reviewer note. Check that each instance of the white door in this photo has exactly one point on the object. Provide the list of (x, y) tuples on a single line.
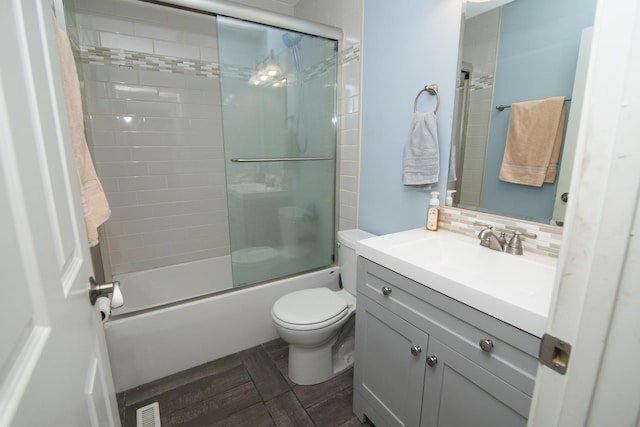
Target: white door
[(596, 306), (54, 368)]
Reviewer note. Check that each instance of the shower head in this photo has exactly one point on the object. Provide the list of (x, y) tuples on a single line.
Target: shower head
[(291, 40)]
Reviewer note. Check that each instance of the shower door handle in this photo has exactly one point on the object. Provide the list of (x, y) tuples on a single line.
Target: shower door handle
[(280, 159), (96, 290)]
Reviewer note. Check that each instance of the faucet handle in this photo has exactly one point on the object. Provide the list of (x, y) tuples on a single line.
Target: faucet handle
[(482, 224), (514, 247)]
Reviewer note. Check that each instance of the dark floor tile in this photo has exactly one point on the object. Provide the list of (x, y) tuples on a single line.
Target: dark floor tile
[(310, 395), (146, 391), (120, 399), (254, 416), (202, 390), (264, 373), (334, 411), (287, 411), (355, 422), (276, 348), (214, 410)]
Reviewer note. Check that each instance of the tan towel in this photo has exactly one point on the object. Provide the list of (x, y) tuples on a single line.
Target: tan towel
[(534, 139), (94, 202)]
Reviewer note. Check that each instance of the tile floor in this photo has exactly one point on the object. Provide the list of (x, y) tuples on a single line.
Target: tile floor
[(250, 388)]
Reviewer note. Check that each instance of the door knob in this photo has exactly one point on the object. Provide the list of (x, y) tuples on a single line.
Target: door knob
[(415, 350), (96, 290), (386, 290), (432, 361)]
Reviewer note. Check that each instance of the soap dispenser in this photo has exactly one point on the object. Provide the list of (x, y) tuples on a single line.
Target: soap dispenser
[(433, 214), (449, 200)]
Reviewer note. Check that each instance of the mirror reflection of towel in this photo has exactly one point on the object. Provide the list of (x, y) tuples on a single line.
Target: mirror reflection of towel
[(421, 156), (533, 144)]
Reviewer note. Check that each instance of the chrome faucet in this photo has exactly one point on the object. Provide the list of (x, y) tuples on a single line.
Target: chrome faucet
[(488, 239)]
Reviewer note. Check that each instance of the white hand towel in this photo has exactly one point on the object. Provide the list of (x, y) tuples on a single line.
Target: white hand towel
[(421, 156), (94, 202)]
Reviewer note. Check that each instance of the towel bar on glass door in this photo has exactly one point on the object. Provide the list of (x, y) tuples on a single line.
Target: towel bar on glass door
[(280, 159), (433, 90), (502, 107)]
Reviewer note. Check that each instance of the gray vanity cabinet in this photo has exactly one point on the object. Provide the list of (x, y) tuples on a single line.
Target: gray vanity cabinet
[(458, 392), (390, 376), (424, 359)]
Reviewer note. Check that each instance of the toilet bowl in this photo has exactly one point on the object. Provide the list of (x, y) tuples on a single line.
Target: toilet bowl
[(318, 323)]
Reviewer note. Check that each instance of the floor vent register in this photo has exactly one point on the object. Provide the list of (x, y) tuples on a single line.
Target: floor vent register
[(148, 416)]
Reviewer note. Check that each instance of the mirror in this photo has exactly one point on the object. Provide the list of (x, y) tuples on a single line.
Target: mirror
[(519, 51)]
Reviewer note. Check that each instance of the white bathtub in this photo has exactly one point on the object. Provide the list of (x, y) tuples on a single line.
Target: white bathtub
[(158, 342), (151, 288)]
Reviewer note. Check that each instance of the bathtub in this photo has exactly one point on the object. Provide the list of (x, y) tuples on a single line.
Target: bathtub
[(159, 286), (165, 339)]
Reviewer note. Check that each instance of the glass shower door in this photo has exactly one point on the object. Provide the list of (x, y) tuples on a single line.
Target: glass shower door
[(278, 91)]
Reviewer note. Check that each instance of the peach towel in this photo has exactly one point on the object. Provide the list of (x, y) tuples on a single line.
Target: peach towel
[(95, 207), (534, 139)]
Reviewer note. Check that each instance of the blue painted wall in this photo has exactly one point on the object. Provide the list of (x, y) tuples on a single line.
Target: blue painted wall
[(406, 45), (537, 55)]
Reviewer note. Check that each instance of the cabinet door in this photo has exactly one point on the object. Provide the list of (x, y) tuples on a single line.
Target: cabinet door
[(388, 375), (458, 392)]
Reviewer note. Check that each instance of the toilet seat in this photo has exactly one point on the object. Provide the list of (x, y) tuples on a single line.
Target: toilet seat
[(309, 309)]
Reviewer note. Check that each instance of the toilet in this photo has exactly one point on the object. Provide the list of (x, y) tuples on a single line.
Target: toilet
[(318, 323)]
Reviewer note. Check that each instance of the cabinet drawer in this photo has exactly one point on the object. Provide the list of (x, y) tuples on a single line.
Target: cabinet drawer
[(512, 354)]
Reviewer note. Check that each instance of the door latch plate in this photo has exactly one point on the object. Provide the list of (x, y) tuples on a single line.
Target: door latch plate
[(555, 353)]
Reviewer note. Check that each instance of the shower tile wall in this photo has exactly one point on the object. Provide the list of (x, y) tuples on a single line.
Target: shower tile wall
[(152, 107), (480, 49), (348, 16), (349, 137)]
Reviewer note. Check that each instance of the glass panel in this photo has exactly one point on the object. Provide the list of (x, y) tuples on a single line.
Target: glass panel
[(278, 91)]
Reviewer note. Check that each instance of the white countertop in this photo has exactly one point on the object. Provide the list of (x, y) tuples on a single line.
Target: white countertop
[(516, 289)]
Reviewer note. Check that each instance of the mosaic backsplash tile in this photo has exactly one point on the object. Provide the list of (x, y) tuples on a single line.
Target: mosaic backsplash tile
[(477, 82), (170, 64), (146, 61), (464, 221)]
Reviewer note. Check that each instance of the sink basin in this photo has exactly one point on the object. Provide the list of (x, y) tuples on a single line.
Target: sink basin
[(514, 288)]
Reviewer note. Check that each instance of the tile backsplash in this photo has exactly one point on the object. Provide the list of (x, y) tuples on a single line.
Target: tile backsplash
[(464, 221)]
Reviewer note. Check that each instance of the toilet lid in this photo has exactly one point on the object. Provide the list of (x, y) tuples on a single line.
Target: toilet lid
[(310, 306)]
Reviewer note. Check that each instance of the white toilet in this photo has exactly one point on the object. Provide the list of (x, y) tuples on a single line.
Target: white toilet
[(311, 320)]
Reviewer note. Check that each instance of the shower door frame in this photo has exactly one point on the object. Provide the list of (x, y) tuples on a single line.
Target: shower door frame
[(266, 17)]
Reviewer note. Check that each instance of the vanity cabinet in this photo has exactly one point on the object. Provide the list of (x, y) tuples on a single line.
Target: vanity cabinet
[(424, 359)]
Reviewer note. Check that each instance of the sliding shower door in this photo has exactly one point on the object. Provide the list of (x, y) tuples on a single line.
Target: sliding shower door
[(278, 91)]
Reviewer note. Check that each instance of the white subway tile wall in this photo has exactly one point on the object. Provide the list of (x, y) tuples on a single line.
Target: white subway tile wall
[(349, 137), (150, 79)]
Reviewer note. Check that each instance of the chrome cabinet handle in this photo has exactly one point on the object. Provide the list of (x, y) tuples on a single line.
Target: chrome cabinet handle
[(486, 345), (386, 290), (432, 361), (415, 350)]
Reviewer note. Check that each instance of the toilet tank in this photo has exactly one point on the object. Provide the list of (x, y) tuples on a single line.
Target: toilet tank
[(347, 259)]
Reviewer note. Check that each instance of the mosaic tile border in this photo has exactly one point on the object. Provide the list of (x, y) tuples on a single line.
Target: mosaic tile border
[(463, 221), (152, 62), (351, 53), (146, 61), (481, 82)]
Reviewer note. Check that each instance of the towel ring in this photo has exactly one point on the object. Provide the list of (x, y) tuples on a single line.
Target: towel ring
[(433, 90)]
